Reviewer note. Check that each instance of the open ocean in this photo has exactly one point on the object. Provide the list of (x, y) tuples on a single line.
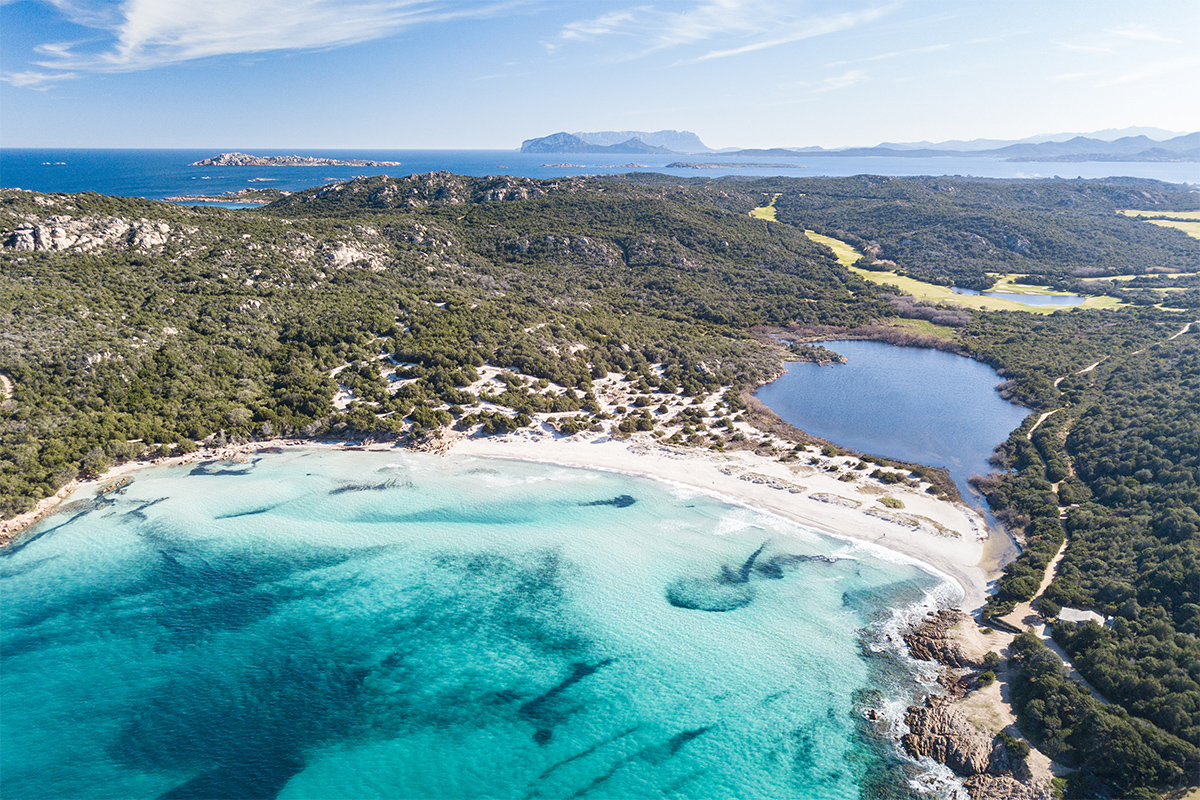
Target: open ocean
[(156, 174), (330, 624)]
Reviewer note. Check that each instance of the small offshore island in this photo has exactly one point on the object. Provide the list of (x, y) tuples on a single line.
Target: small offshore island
[(245, 160), (365, 403)]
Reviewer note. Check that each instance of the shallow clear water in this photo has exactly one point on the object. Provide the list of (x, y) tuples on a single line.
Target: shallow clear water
[(318, 624), (909, 403)]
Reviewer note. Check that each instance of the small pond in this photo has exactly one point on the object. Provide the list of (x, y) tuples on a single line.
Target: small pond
[(908, 403), (1027, 299)]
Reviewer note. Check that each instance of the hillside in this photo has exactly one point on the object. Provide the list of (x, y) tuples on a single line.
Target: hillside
[(137, 328)]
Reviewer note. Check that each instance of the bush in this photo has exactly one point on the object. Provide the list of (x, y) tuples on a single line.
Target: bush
[(1015, 747)]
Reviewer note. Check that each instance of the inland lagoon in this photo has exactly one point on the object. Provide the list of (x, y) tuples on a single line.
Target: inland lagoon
[(324, 623), (914, 404)]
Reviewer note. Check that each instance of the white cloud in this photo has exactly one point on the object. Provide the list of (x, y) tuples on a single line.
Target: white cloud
[(1084, 48), (36, 80), (743, 26), (152, 33), (1141, 32), (842, 81), (591, 28), (1154, 70)]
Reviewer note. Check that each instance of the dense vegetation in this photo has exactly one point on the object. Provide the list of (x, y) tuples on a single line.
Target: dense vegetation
[(1114, 754), (955, 230), (132, 327), (1122, 456), (230, 323)]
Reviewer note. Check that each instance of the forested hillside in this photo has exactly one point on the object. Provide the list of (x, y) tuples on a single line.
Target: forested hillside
[(132, 328), (955, 230)]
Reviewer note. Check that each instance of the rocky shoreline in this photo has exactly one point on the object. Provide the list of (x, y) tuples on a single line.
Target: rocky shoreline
[(992, 767), (247, 160)]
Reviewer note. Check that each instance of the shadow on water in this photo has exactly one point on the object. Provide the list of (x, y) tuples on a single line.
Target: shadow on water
[(620, 501), (730, 589), (263, 777), (546, 709), (253, 689), (214, 468), (383, 486)]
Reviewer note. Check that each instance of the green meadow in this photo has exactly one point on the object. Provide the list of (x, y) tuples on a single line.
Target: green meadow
[(848, 256)]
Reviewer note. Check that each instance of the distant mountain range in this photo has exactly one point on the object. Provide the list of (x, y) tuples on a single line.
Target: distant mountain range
[(1078, 148), (1136, 145), (616, 142), (679, 141)]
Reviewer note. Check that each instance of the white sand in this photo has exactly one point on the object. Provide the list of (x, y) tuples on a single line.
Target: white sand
[(946, 536)]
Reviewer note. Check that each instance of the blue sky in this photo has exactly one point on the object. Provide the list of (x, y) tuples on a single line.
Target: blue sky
[(489, 73)]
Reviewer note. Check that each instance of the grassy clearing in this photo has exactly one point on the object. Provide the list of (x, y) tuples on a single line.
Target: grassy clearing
[(1190, 228), (1131, 277), (923, 327), (943, 294), (766, 212), (846, 255), (1007, 282), (1182, 215)]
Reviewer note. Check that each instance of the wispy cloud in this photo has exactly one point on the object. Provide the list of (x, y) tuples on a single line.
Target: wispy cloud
[(33, 79), (151, 33), (1084, 48), (1153, 71), (933, 48), (1142, 33), (1073, 76), (726, 27), (842, 81)]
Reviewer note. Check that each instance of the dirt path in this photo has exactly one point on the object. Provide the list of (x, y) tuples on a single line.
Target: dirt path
[(1025, 618), (7, 385), (1041, 419)]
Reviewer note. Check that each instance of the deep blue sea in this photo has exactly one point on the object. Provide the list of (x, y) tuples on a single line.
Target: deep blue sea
[(157, 174), (327, 624)]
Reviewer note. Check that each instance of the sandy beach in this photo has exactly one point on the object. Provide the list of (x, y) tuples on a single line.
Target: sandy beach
[(946, 536)]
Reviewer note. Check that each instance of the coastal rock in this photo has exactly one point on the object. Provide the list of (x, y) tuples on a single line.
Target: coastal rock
[(1004, 787), (938, 730), (59, 233), (930, 640), (247, 160)]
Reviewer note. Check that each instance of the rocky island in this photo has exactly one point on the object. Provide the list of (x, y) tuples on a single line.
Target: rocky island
[(246, 160)]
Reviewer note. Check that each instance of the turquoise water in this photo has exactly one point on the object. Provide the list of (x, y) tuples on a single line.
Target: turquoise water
[(329, 624), (910, 403)]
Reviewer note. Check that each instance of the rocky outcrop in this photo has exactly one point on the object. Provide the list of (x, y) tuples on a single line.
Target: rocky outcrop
[(247, 160), (938, 730), (1004, 787), (58, 233), (931, 640), (421, 191)]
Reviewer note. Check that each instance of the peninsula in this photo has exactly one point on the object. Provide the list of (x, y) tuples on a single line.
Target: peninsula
[(247, 160)]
